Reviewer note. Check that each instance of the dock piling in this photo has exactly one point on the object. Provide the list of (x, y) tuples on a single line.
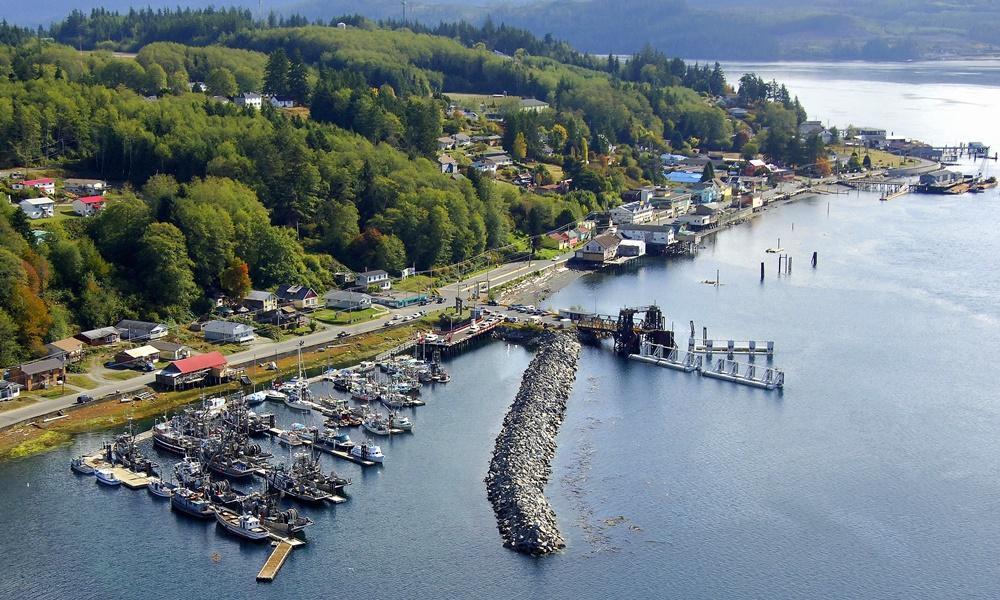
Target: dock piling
[(762, 270), (815, 256)]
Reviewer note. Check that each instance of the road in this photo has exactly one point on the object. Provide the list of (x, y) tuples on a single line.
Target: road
[(261, 351)]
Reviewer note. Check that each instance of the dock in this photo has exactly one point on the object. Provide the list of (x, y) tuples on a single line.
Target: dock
[(274, 431), (670, 358), (275, 561), (731, 347), (128, 477), (746, 374)]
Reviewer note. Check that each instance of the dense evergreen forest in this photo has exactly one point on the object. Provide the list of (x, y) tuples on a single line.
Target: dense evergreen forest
[(218, 198)]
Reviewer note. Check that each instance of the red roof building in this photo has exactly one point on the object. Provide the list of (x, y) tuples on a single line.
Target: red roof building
[(211, 366), (46, 184), (88, 205)]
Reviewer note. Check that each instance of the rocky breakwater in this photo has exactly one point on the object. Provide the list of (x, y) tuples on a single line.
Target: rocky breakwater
[(520, 467)]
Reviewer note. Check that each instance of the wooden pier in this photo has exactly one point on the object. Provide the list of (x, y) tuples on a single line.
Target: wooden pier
[(274, 431), (128, 477), (275, 561)]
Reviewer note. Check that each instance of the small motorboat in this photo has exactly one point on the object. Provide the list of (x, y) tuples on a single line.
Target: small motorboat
[(367, 451), (243, 525), (107, 477), (255, 398), (160, 488), (397, 421), (79, 466), (275, 396)]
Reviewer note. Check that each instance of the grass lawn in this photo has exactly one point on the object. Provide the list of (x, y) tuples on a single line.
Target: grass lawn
[(880, 158), (474, 100), (417, 283), (62, 213), (53, 392), (344, 317), (121, 375), (81, 381), (18, 402)]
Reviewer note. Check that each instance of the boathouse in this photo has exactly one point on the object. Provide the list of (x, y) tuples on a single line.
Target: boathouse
[(201, 369)]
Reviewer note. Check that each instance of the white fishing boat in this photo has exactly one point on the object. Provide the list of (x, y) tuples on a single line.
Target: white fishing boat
[(160, 488), (368, 451), (255, 398), (107, 477), (245, 526), (403, 422), (275, 396), (295, 402), (376, 424)]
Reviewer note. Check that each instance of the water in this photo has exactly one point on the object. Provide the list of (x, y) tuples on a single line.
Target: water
[(874, 474), (939, 102)]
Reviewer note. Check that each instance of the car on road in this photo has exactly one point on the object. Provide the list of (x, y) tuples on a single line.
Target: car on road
[(84, 398), (342, 334), (512, 319)]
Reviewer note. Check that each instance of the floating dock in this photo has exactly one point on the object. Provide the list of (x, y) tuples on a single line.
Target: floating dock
[(275, 561), (128, 477), (767, 378), (730, 347), (274, 431), (670, 358)]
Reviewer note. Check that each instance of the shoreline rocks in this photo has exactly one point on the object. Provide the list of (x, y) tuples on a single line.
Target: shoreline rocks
[(522, 456)]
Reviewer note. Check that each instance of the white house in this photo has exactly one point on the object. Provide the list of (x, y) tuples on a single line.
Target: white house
[(277, 102), (658, 235), (228, 332), (600, 249), (448, 164), (344, 300), (45, 185), (88, 205), (141, 330), (251, 99), (632, 212), (38, 208), (377, 278), (9, 390), (632, 248), (485, 166), (85, 187)]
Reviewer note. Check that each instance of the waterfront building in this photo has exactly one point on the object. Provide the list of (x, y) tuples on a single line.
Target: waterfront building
[(600, 249), (228, 332)]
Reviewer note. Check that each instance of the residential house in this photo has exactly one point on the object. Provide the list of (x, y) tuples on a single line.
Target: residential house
[(704, 192), (187, 372), (170, 350), (228, 332), (939, 177), (448, 164), (102, 336), (632, 212), (462, 140), (140, 355), (9, 390), (671, 160), (499, 157), (69, 349), (345, 300), (757, 167), (46, 185), (652, 235), (446, 143), (141, 330), (277, 102), (85, 187), (249, 100), (38, 374), (871, 135), (560, 239), (285, 317), (533, 105), (600, 249), (695, 222), (88, 205), (485, 166), (260, 301), (300, 296), (489, 140), (38, 208), (378, 278), (809, 128)]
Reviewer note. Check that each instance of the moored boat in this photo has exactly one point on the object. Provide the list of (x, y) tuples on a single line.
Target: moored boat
[(160, 488), (107, 477), (367, 451), (191, 503), (376, 424), (243, 525), (81, 467)]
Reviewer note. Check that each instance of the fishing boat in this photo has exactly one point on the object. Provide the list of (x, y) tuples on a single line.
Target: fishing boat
[(441, 376), (191, 503), (295, 402), (160, 488), (282, 522), (294, 486), (330, 375), (107, 477), (397, 421), (367, 451), (78, 465), (377, 424), (242, 525), (168, 435), (333, 439), (306, 468), (234, 468), (220, 493)]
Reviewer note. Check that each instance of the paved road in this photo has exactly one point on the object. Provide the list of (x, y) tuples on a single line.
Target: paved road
[(261, 351)]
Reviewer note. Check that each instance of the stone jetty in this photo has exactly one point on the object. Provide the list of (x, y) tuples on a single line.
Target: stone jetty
[(520, 467)]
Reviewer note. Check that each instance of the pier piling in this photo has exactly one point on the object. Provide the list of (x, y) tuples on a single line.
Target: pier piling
[(762, 270), (814, 258)]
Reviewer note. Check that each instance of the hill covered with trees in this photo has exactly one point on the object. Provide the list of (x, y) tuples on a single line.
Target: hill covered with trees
[(217, 198)]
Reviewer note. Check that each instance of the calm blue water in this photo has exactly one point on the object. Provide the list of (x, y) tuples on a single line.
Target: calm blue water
[(874, 474)]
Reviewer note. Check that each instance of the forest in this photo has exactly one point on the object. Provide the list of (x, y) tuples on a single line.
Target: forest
[(216, 198)]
